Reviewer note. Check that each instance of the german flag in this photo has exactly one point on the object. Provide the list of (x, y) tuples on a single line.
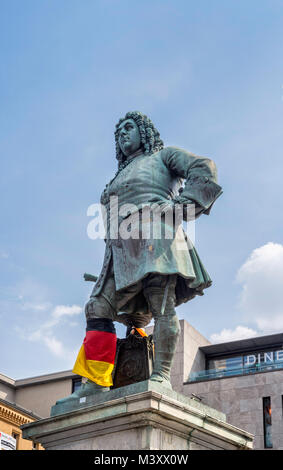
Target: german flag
[(97, 354)]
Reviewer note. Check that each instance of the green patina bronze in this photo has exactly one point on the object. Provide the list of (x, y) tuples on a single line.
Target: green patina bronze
[(146, 277), (156, 175)]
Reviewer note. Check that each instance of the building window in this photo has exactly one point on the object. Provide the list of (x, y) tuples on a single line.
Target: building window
[(76, 383), (267, 422)]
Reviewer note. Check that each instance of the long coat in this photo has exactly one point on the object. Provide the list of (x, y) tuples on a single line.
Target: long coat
[(171, 175)]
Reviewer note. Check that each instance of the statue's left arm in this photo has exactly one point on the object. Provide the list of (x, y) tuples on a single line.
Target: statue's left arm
[(200, 175)]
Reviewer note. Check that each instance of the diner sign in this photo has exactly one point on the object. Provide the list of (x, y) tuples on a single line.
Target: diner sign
[(267, 358)]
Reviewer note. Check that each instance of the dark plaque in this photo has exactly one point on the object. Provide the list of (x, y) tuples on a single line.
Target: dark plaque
[(134, 360)]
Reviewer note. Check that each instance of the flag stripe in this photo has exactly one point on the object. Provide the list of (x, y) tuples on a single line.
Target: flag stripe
[(100, 324), (100, 346), (97, 354), (97, 371)]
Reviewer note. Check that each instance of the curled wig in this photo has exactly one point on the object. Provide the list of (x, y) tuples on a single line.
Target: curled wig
[(150, 137)]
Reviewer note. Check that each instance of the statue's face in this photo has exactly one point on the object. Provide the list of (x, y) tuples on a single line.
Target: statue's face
[(129, 137)]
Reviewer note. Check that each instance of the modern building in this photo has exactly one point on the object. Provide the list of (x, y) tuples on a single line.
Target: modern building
[(243, 379)]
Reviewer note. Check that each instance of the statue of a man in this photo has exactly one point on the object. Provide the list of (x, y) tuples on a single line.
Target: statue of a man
[(145, 277)]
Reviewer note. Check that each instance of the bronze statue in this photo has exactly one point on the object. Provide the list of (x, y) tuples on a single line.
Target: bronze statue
[(145, 276)]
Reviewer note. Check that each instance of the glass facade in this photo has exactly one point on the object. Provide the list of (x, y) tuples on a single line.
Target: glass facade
[(246, 363)]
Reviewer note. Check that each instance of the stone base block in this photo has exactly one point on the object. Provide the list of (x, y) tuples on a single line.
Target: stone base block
[(141, 416)]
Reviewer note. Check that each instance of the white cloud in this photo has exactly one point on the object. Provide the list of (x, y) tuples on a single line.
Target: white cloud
[(35, 306), (45, 322), (226, 335), (261, 300), (62, 310), (55, 346), (269, 326), (261, 277), (45, 333)]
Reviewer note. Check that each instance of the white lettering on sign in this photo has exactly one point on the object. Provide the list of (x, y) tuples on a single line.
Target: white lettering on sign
[(250, 360), (268, 357)]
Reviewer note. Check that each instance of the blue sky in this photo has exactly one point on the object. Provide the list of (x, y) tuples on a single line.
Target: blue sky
[(210, 76)]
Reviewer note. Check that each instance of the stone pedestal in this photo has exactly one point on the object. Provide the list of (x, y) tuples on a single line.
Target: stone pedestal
[(141, 416)]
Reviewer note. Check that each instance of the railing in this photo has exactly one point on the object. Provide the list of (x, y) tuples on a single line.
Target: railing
[(211, 374)]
